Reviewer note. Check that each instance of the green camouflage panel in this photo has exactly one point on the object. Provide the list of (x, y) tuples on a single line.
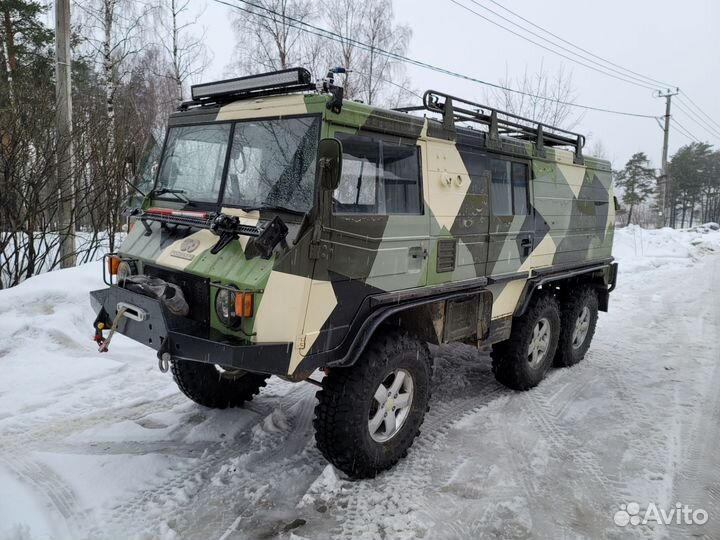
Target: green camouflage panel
[(458, 235)]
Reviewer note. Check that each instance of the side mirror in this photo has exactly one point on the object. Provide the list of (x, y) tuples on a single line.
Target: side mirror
[(329, 163)]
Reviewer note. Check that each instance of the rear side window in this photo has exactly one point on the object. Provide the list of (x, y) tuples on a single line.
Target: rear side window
[(378, 177), (509, 188), (521, 206)]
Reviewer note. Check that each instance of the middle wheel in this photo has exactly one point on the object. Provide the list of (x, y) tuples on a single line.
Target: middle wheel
[(522, 361)]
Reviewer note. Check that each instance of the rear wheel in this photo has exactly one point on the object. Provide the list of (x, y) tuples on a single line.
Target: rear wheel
[(578, 320), (369, 414), (215, 386), (522, 361)]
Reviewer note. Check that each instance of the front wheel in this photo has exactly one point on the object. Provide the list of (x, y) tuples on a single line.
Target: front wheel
[(369, 414), (214, 386)]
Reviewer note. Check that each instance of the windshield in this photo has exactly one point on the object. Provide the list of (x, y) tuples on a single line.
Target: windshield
[(194, 160), (271, 163)]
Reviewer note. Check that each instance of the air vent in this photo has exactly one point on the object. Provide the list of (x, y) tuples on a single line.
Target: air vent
[(445, 256)]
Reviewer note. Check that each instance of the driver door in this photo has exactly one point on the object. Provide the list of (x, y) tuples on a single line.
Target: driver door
[(377, 239)]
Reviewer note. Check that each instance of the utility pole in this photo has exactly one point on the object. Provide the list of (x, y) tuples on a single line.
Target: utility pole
[(664, 181), (63, 136)]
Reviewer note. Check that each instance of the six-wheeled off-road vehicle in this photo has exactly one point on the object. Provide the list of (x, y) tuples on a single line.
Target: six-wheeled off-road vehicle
[(290, 232)]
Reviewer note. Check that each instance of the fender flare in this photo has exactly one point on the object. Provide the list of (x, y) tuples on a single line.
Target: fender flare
[(378, 316), (534, 284)]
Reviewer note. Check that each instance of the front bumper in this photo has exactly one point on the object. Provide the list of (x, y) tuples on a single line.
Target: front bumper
[(185, 339)]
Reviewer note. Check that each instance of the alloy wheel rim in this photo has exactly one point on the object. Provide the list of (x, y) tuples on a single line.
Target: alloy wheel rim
[(391, 404), (582, 325), (539, 343)]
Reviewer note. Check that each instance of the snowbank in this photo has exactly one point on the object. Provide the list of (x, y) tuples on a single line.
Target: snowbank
[(639, 249)]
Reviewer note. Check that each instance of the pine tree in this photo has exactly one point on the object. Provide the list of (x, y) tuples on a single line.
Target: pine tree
[(637, 180), (691, 174), (25, 47)]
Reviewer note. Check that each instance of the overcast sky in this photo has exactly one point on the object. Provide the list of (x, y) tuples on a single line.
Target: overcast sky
[(672, 41)]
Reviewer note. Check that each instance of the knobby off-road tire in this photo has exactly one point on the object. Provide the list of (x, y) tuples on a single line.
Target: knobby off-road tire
[(578, 319), (348, 406), (538, 330), (215, 387)]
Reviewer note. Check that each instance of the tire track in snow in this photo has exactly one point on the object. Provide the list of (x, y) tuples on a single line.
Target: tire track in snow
[(184, 479), (697, 481), (399, 491), (231, 479), (17, 447), (60, 498), (298, 436)]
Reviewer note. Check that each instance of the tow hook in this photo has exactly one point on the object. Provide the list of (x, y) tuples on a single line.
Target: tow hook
[(98, 337), (104, 342), (164, 362)]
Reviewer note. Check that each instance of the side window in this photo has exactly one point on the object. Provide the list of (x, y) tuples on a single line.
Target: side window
[(520, 189), (357, 191), (501, 189), (509, 189), (401, 176), (378, 177)]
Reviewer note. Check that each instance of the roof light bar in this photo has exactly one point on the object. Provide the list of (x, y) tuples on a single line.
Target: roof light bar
[(288, 79)]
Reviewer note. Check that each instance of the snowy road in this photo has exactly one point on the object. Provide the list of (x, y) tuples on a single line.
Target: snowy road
[(105, 447)]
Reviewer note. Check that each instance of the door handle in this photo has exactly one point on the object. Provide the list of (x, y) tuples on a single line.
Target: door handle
[(418, 252), (526, 245)]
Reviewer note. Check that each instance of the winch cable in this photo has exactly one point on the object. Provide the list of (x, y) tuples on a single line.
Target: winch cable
[(105, 343)]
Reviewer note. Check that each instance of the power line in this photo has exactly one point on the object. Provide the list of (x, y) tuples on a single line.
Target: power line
[(594, 65), (700, 109), (393, 83), (683, 130), (698, 120), (549, 49), (327, 34), (578, 47)]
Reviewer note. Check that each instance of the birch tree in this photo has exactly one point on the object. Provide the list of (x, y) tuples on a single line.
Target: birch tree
[(269, 36), (547, 97), (365, 32), (113, 30), (188, 56)]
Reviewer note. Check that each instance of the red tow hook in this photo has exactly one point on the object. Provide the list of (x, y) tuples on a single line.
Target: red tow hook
[(98, 337), (102, 342)]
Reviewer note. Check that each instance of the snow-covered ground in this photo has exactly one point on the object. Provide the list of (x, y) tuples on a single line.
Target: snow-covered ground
[(104, 446)]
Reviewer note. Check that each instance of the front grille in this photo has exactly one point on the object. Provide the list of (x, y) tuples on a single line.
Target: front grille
[(196, 290)]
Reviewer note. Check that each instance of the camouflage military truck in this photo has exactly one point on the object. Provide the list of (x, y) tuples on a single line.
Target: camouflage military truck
[(293, 233)]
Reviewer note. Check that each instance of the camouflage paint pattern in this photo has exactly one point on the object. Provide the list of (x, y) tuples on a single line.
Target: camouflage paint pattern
[(310, 302)]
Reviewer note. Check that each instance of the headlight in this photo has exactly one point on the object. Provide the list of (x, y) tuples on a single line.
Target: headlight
[(232, 306), (124, 269)]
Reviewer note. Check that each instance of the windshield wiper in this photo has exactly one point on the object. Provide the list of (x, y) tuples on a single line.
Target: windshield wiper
[(276, 208), (178, 193)]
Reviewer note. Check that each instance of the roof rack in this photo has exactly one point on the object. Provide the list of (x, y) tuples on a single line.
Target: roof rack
[(499, 123)]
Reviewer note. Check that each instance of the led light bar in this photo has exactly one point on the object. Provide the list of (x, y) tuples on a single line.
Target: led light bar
[(289, 79)]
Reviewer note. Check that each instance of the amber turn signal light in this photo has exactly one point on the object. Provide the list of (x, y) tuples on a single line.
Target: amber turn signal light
[(113, 265), (244, 304)]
